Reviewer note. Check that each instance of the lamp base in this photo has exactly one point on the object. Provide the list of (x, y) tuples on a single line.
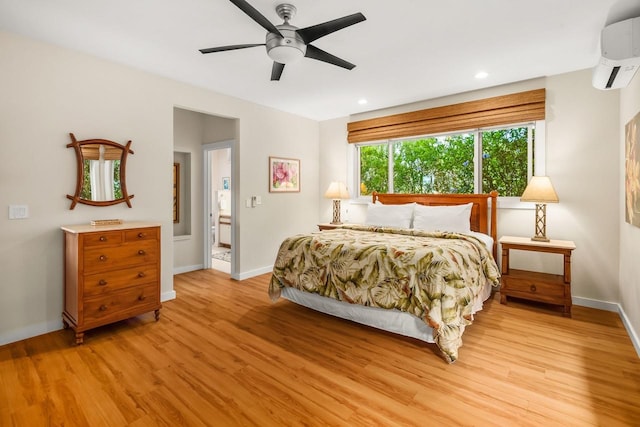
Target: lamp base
[(541, 223), (336, 212), (540, 239)]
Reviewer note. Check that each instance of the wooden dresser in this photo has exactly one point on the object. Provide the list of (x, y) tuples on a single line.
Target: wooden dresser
[(111, 273)]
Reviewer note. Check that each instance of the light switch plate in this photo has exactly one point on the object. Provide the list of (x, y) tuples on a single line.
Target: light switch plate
[(18, 211)]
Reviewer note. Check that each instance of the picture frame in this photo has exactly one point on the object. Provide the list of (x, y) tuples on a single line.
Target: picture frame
[(284, 175), (176, 193), (226, 183), (632, 171)]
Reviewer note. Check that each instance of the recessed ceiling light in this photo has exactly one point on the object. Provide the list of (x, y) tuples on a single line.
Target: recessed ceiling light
[(362, 101), (481, 75)]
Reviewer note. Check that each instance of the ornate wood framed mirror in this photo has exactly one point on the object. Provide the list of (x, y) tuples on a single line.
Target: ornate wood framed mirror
[(101, 166)]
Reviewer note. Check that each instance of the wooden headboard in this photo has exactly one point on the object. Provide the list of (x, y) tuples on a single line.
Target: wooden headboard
[(479, 212)]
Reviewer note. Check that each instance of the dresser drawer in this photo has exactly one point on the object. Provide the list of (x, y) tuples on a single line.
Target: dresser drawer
[(149, 233), (103, 238), (126, 255), (120, 305), (112, 280)]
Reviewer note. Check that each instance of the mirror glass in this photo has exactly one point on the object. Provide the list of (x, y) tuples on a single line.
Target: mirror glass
[(101, 172)]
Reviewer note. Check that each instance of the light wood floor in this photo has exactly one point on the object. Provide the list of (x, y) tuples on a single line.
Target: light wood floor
[(222, 355)]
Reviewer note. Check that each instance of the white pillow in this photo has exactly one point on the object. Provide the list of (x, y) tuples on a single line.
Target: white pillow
[(454, 218), (397, 216)]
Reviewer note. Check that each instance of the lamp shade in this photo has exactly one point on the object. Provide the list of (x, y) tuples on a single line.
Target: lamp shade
[(337, 190), (539, 190)]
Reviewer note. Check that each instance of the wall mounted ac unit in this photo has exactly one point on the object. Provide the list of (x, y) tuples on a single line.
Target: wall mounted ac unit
[(620, 55)]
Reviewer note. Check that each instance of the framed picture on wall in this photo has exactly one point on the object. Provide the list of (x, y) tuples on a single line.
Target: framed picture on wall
[(284, 175), (226, 183), (176, 192), (632, 171)]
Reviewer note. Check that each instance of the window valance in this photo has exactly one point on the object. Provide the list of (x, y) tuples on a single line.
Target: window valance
[(499, 110)]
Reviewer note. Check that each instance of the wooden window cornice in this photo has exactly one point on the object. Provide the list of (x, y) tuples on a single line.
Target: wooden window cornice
[(499, 110)]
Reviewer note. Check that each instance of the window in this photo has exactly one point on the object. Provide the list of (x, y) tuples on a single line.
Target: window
[(479, 161)]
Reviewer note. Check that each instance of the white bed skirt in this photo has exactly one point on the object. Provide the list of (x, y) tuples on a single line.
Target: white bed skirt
[(394, 321)]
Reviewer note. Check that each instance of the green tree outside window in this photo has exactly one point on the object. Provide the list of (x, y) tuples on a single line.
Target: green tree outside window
[(445, 164)]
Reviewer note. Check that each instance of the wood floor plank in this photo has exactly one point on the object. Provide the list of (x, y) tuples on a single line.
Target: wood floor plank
[(223, 354)]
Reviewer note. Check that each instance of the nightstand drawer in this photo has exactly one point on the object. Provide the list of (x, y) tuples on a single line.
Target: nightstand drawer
[(535, 286)]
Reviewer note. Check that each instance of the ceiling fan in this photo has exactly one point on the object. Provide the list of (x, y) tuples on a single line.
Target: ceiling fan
[(286, 43)]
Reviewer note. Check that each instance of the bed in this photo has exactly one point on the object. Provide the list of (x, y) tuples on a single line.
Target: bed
[(421, 266)]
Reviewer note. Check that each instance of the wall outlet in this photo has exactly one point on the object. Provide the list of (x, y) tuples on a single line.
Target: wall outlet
[(18, 211)]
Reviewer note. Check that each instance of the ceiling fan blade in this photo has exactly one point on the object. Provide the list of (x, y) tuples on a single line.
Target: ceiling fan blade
[(314, 32), (276, 71), (256, 16), (230, 47), (320, 55)]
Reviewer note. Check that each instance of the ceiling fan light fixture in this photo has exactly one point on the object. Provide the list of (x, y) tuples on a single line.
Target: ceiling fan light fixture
[(286, 49), (285, 54)]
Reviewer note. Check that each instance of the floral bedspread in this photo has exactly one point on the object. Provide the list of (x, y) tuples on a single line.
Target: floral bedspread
[(434, 276)]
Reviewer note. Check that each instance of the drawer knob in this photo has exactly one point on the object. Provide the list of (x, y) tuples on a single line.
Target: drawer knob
[(141, 252), (142, 298), (103, 307), (102, 258), (141, 235), (533, 288), (102, 282), (141, 274), (103, 238)]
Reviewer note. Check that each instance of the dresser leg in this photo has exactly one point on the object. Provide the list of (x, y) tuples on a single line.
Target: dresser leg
[(157, 313), (65, 324), (79, 338), (503, 298)]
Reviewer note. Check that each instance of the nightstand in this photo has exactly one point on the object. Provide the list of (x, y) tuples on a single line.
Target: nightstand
[(328, 226), (543, 287)]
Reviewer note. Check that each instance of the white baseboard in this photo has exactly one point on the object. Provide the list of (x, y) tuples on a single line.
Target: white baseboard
[(52, 326), (594, 303), (615, 307), (55, 325), (632, 333), (168, 296), (254, 273), (31, 331), (237, 276), (180, 270)]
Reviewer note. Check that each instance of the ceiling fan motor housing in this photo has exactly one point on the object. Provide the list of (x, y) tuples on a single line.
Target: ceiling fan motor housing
[(288, 48)]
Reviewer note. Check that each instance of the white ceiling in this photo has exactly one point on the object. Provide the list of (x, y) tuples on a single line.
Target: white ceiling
[(406, 50)]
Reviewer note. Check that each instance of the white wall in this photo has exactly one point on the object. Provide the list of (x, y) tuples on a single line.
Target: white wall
[(582, 161), (48, 92), (188, 136), (629, 235), (191, 130), (334, 161)]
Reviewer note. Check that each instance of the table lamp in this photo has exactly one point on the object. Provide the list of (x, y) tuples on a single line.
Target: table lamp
[(540, 191), (336, 191)]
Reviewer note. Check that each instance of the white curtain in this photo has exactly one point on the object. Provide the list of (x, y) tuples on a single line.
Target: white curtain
[(101, 174)]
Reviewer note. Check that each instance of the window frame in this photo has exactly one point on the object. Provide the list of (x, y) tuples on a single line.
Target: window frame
[(504, 202)]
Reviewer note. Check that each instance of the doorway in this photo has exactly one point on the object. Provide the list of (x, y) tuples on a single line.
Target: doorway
[(219, 207)]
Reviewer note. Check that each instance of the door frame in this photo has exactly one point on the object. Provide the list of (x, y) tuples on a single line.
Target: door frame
[(208, 211)]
